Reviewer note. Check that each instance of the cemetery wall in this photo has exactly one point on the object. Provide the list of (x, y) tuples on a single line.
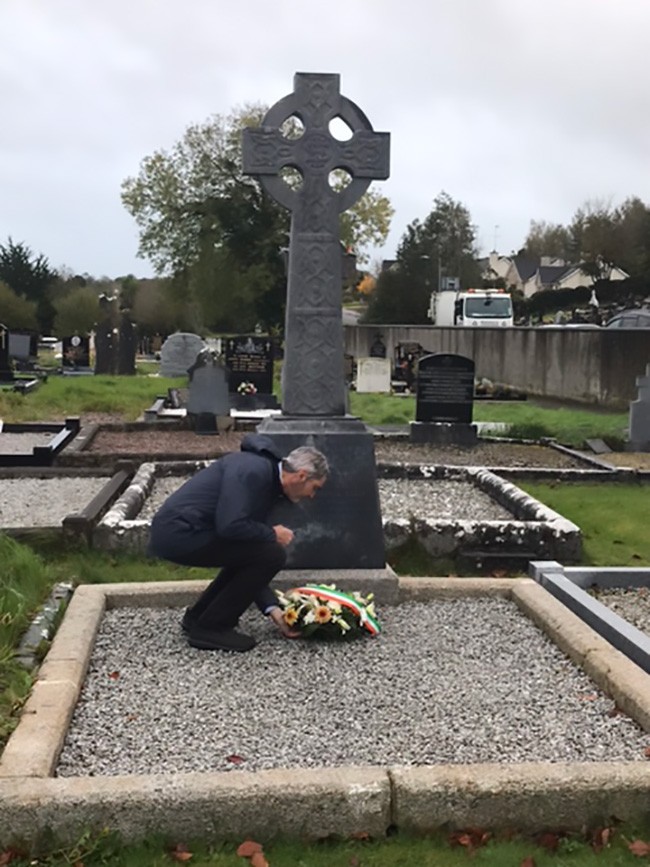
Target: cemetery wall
[(585, 365)]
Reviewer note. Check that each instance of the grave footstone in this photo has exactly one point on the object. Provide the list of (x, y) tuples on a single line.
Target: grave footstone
[(341, 528), (208, 392), (444, 400), (179, 352), (373, 375), (639, 439), (249, 359)]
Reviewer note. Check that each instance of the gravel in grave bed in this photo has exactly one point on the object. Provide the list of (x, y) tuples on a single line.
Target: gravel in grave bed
[(451, 681), (483, 454), (399, 498), (163, 442), (630, 603), (24, 443), (35, 502)]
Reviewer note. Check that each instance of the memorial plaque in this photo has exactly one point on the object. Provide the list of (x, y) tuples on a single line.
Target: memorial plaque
[(445, 388), (249, 358)]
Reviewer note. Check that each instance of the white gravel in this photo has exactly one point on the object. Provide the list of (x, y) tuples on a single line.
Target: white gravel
[(23, 443), (35, 502), (468, 680)]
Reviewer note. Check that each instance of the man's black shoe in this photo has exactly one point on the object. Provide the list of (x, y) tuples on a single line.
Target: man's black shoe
[(219, 639), (187, 621)]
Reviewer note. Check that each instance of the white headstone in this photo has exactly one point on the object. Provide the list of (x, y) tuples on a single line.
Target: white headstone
[(373, 375), (179, 352)]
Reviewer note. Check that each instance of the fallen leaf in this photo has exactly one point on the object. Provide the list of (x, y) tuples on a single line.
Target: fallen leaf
[(248, 848), (548, 841), (354, 861), (616, 711), (114, 675), (639, 848), (600, 838), (498, 573), (528, 862), (234, 759), (470, 838), (78, 864), (592, 696), (360, 835), (646, 752), (180, 853), (258, 860)]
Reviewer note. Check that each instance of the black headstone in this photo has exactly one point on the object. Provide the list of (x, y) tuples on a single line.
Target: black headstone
[(6, 370), (126, 346), (208, 392), (75, 351), (445, 388), (249, 358)]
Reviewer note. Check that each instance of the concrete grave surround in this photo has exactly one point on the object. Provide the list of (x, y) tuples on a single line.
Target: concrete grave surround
[(373, 375), (178, 353), (312, 804), (534, 527)]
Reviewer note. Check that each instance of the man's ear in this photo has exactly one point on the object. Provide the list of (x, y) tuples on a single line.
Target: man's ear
[(302, 475)]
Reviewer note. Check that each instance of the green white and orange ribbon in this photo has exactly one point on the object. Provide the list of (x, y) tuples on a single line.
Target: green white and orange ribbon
[(322, 591)]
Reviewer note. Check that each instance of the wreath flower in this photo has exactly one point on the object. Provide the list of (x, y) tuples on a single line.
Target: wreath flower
[(323, 611), (246, 388)]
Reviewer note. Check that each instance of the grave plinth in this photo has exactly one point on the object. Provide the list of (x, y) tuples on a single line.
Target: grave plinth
[(342, 527), (444, 402)]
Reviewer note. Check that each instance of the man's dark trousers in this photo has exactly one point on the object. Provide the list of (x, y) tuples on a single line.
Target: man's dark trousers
[(247, 569)]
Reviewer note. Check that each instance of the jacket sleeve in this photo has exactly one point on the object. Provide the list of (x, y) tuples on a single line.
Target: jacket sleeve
[(245, 496)]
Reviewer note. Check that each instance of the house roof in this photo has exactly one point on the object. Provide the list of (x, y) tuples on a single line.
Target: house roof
[(553, 273), (525, 267)]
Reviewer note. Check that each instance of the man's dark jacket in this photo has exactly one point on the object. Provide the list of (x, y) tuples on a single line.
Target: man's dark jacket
[(230, 499)]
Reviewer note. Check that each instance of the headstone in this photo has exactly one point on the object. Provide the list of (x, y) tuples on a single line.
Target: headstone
[(179, 352), (208, 392), (75, 351), (444, 399), (373, 375), (378, 347), (6, 370), (22, 346), (249, 359), (126, 346), (342, 527), (639, 440), (106, 337)]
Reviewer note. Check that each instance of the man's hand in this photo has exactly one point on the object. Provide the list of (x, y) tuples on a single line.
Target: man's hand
[(283, 534), (277, 617)]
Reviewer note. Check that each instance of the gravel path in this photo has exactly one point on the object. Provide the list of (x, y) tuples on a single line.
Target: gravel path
[(469, 680), (631, 603), (399, 498), (34, 502)]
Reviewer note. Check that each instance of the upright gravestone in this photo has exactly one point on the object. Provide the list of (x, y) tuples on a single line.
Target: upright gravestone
[(208, 392), (179, 352), (444, 400), (373, 375), (126, 346), (639, 439), (249, 359), (342, 527), (75, 352), (6, 370)]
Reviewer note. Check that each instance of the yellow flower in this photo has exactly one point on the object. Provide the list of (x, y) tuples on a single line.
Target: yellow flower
[(322, 614), (290, 616)]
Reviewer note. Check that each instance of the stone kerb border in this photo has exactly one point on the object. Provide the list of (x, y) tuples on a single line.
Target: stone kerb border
[(312, 804), (535, 527), (567, 584)]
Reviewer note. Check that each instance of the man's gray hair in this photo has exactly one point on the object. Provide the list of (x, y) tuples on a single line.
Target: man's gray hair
[(307, 458)]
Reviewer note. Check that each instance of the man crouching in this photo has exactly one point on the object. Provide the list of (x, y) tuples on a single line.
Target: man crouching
[(218, 518)]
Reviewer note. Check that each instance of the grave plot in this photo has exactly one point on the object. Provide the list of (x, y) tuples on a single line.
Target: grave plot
[(482, 703), (615, 601), (451, 512), (53, 499), (35, 444)]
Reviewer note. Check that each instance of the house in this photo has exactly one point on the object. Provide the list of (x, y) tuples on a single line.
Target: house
[(530, 276)]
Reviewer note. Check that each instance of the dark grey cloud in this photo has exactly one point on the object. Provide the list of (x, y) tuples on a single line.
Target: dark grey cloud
[(519, 110)]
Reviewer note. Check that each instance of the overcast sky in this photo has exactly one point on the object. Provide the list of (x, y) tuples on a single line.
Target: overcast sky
[(519, 109)]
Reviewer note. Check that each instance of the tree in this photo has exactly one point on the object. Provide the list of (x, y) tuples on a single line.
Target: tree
[(76, 312), (441, 246), (16, 312), (548, 239), (30, 277), (216, 231)]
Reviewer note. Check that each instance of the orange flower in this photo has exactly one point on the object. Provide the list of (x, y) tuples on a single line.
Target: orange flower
[(322, 614), (290, 616)]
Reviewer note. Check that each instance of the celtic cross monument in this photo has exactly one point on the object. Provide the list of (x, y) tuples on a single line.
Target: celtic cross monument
[(313, 376), (341, 528)]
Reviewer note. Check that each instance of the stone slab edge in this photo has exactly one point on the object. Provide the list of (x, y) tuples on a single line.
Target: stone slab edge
[(318, 803)]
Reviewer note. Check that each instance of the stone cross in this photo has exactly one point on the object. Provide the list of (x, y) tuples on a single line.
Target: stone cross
[(313, 374)]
